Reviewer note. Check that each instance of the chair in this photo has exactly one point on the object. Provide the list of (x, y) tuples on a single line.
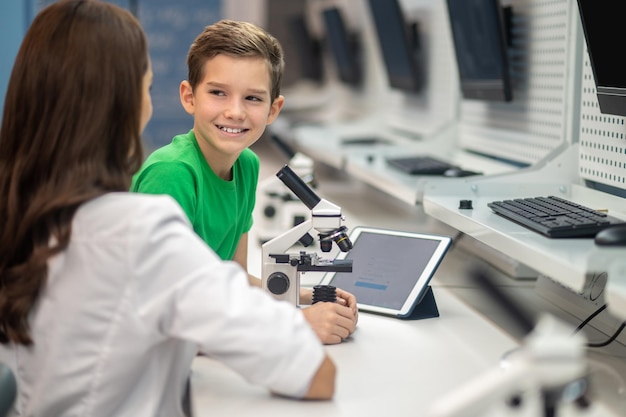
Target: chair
[(8, 390)]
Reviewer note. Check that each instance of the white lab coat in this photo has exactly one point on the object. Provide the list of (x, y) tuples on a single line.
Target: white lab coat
[(131, 302)]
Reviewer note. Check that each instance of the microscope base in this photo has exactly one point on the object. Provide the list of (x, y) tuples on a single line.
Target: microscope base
[(426, 308)]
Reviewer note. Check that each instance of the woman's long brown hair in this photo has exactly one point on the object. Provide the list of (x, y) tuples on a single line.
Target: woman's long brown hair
[(70, 132)]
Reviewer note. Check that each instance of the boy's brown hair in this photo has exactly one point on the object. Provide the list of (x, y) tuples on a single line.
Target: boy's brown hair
[(235, 38)]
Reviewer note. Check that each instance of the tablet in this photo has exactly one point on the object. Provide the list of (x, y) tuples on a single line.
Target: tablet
[(391, 269)]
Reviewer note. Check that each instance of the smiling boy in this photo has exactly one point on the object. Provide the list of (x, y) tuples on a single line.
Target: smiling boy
[(233, 93)]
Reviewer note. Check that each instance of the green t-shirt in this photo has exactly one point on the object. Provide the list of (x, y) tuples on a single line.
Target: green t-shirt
[(220, 211)]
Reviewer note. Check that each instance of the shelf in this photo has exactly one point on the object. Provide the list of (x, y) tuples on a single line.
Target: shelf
[(568, 261), (367, 162)]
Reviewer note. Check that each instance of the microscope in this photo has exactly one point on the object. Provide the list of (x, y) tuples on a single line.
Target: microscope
[(279, 208), (280, 272), (547, 377)]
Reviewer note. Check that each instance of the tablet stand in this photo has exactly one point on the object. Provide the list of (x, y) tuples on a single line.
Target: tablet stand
[(425, 308)]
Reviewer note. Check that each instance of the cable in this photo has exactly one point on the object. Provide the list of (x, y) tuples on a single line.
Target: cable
[(591, 317), (610, 339)]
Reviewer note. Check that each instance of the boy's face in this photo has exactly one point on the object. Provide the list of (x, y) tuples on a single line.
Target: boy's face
[(231, 105)]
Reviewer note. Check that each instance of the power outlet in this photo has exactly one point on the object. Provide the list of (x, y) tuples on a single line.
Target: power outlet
[(582, 304)]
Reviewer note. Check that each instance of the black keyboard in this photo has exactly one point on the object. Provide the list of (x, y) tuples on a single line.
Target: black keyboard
[(554, 217), (420, 165)]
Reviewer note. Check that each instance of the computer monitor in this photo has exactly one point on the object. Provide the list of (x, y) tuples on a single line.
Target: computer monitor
[(344, 47), (479, 31), (308, 49), (603, 26), (399, 43)]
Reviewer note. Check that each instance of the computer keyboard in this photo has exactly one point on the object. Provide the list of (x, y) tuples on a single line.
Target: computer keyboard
[(554, 217), (367, 141), (420, 165)]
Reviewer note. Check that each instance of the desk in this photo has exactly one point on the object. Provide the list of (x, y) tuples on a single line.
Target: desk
[(389, 367)]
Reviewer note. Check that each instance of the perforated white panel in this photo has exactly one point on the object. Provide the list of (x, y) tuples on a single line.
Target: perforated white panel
[(534, 123), (602, 149)]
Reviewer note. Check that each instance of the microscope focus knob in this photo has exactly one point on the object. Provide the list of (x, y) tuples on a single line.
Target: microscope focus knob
[(278, 283)]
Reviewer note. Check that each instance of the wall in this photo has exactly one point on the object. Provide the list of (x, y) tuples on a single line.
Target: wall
[(170, 27), (15, 16)]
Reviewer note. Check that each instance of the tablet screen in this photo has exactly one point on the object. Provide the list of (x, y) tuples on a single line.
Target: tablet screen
[(390, 269)]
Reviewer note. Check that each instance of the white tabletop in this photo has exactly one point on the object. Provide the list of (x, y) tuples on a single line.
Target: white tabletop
[(389, 367)]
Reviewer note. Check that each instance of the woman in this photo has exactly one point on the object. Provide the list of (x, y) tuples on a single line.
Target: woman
[(106, 296)]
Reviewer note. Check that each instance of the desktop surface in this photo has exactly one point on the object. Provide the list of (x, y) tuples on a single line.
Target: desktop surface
[(446, 349), (388, 367)]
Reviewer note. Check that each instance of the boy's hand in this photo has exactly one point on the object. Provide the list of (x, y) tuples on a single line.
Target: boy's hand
[(332, 322), (343, 297), (346, 299)]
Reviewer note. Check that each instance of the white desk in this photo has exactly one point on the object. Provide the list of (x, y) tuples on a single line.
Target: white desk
[(327, 143), (389, 367), (569, 261)]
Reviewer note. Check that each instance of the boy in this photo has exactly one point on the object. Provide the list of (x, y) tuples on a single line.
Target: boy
[(233, 93)]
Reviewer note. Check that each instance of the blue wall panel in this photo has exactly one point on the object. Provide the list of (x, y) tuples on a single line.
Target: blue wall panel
[(171, 27), (15, 16)]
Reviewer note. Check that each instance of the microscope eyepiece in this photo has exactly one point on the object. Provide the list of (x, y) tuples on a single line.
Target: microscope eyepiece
[(339, 236), (298, 186)]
